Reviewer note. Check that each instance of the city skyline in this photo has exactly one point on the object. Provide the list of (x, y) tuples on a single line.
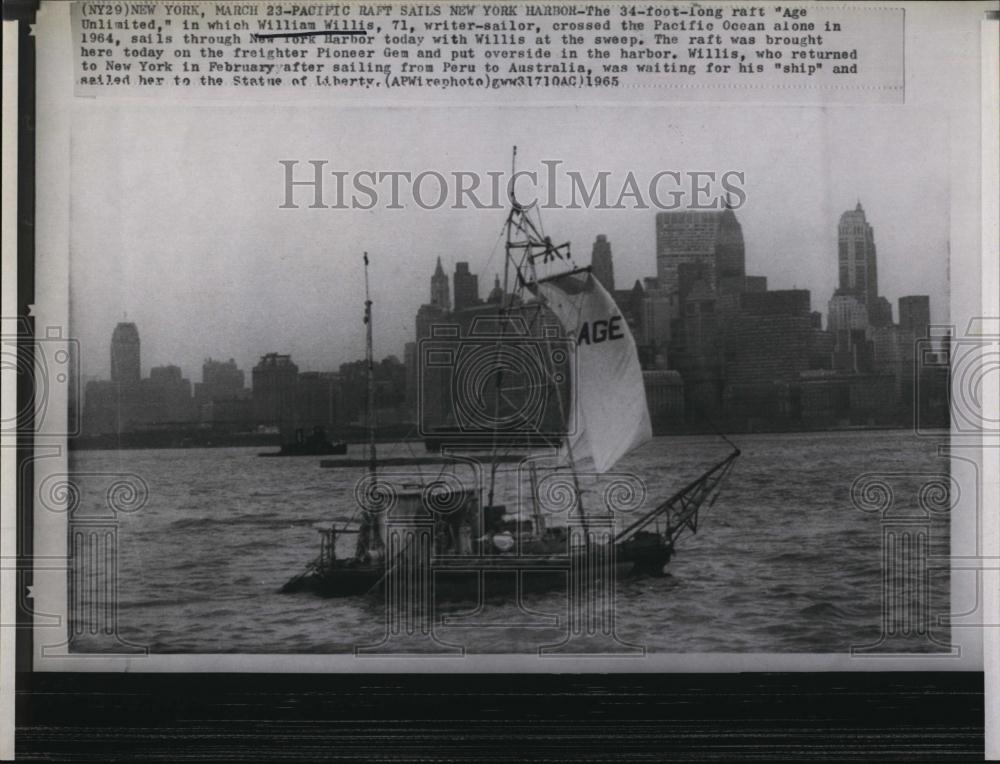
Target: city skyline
[(710, 338), (207, 276), (443, 289)]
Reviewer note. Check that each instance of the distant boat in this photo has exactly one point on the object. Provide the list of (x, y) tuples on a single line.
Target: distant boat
[(453, 536), (315, 444)]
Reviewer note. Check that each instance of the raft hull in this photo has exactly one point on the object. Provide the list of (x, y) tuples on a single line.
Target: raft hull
[(479, 578)]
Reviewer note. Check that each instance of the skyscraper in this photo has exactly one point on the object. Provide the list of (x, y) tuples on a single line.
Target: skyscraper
[(712, 239), (317, 401), (410, 361), (427, 317), (439, 288), (220, 380), (856, 260), (847, 320), (657, 310), (880, 312), (915, 314), (768, 339), (167, 396), (275, 386), (466, 287), (601, 264), (846, 313), (125, 367)]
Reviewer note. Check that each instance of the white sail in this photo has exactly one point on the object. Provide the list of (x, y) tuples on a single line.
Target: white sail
[(609, 399)]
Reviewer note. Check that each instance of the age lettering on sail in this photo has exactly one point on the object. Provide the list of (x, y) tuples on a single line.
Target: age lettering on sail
[(600, 331)]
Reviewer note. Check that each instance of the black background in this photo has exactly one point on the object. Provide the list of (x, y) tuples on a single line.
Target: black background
[(445, 718)]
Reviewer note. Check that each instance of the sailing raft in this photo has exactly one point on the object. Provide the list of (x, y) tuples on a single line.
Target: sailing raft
[(451, 536)]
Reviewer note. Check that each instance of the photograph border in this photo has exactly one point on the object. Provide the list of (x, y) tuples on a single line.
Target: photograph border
[(944, 705)]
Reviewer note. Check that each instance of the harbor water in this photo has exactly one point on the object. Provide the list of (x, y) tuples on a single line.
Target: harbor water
[(784, 561)]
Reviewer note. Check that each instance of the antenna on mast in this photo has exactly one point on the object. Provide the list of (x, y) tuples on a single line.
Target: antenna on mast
[(510, 186)]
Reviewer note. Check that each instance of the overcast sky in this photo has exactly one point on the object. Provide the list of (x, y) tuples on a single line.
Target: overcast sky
[(175, 220)]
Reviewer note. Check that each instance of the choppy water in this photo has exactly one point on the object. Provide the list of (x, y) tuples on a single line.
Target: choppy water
[(783, 562)]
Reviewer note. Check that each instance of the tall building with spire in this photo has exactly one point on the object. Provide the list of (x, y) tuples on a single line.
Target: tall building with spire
[(440, 294), (856, 260), (126, 369), (601, 264)]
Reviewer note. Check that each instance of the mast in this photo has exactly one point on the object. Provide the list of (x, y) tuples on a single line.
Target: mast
[(369, 537), (569, 444), (535, 240), (370, 371), (504, 309)]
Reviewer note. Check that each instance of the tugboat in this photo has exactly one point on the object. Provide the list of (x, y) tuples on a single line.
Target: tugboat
[(451, 534), (315, 444)]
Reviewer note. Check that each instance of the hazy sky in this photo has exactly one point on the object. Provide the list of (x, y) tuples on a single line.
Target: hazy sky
[(175, 219)]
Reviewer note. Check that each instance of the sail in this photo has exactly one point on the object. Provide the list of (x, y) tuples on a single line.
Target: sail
[(609, 399)]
